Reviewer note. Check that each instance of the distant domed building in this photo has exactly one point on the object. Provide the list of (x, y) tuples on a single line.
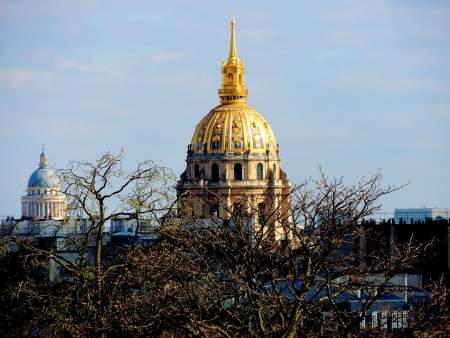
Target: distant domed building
[(44, 199), (233, 155)]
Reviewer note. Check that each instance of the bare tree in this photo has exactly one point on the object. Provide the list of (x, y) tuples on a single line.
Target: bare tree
[(228, 277), (98, 192)]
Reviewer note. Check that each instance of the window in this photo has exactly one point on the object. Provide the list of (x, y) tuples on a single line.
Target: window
[(261, 213), (238, 172), (214, 210), (230, 77), (215, 144), (238, 209), (240, 79), (214, 172), (374, 319), (399, 320), (259, 171), (196, 171), (274, 171)]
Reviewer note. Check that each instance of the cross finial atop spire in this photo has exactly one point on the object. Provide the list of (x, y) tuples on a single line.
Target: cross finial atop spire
[(233, 51)]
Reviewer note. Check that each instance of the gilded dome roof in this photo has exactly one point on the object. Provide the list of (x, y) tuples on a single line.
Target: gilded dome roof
[(233, 127)]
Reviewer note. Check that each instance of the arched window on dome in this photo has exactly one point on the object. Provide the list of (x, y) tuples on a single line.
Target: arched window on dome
[(259, 171), (238, 172), (230, 78), (215, 172), (240, 79), (274, 169), (196, 171)]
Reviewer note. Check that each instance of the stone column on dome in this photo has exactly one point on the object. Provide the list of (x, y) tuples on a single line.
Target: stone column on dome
[(228, 213)]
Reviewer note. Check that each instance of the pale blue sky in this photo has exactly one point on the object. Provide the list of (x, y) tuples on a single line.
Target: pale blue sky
[(354, 86)]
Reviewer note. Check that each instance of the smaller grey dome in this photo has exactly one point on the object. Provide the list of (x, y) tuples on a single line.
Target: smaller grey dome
[(43, 178)]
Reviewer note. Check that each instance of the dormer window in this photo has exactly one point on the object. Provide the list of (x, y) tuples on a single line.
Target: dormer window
[(259, 171)]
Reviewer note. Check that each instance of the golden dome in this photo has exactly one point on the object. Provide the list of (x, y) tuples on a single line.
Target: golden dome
[(233, 127)]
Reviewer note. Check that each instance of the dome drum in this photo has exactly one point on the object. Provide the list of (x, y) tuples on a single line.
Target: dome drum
[(251, 170)]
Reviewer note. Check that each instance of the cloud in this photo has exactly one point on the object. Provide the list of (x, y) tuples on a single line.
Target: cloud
[(81, 67), (355, 11), (153, 18), (326, 54), (61, 8), (257, 35), (184, 80), (19, 77), (400, 84), (349, 37), (102, 73), (166, 56)]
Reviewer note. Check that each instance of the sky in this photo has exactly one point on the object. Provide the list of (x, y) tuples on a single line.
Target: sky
[(351, 86)]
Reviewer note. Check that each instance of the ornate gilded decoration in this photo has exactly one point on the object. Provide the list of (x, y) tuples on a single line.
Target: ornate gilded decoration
[(238, 126), (233, 87), (233, 151)]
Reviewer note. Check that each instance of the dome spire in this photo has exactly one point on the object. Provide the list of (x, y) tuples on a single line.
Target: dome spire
[(43, 162), (233, 50), (233, 87)]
